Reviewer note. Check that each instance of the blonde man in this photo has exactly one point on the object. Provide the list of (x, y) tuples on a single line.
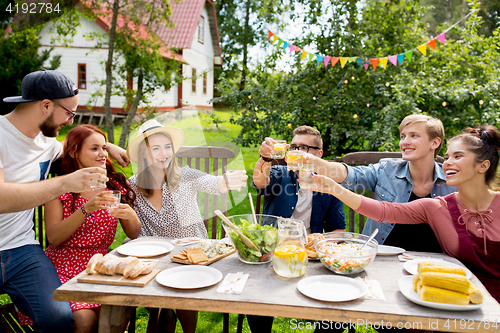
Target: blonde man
[(415, 176)]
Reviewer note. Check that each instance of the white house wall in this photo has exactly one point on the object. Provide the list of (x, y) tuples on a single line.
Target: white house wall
[(201, 57), (81, 51)]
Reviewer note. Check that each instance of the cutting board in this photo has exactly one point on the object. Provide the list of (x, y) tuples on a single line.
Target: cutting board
[(118, 279), (205, 263)]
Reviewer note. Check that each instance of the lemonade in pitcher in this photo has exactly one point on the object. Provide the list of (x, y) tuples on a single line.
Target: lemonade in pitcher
[(290, 261), (290, 256)]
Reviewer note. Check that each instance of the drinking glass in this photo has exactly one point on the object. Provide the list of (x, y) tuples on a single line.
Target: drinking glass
[(305, 176), (235, 179), (279, 149), (101, 182), (294, 159), (118, 195)]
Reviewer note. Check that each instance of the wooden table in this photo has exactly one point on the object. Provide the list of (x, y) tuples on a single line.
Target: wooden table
[(268, 294)]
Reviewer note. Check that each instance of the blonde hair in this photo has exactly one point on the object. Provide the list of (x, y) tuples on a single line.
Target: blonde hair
[(308, 130), (433, 126), (145, 181)]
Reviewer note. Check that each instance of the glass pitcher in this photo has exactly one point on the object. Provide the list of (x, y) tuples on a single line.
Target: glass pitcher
[(290, 256)]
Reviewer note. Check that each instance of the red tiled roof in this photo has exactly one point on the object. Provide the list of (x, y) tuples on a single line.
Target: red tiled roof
[(185, 15)]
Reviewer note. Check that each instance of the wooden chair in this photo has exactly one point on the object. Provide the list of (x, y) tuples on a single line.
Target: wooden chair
[(210, 160), (366, 158)]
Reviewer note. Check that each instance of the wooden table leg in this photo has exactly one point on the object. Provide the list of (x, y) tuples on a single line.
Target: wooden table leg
[(114, 318)]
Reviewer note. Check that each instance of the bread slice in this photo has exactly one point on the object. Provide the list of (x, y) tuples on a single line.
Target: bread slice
[(92, 262), (124, 263)]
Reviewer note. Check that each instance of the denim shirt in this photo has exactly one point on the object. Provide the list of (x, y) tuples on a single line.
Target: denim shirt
[(390, 181), (281, 196)]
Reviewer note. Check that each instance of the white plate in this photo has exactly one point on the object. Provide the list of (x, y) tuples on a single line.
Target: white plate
[(145, 249), (386, 250), (406, 287), (189, 277), (411, 266), (186, 241), (332, 288)]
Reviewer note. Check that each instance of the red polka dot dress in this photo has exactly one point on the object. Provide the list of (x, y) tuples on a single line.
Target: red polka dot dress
[(70, 258)]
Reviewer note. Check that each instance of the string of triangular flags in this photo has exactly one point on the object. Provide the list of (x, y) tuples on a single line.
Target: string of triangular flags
[(383, 61)]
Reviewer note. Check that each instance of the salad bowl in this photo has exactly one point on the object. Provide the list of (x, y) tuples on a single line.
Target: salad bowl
[(263, 235), (341, 252)]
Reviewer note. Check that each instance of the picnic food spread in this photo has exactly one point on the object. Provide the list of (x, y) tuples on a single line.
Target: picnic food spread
[(204, 252), (344, 258), (129, 267), (264, 237), (311, 251), (445, 284)]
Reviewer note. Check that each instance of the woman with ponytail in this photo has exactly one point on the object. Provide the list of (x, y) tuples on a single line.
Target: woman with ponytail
[(467, 222), (78, 225)]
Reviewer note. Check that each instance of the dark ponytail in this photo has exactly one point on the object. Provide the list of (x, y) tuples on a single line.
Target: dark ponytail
[(484, 142)]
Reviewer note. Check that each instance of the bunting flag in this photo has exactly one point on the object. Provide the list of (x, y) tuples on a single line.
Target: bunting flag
[(326, 60), (383, 62), (432, 43), (408, 55), (270, 35), (343, 61), (401, 57), (319, 60), (393, 59), (423, 48), (441, 37)]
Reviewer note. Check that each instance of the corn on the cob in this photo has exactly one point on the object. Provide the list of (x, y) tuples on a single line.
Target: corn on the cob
[(438, 295), (446, 281), (416, 278), (475, 295), (425, 266)]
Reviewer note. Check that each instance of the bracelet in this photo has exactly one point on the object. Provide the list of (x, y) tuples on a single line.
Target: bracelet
[(266, 159), (84, 212)]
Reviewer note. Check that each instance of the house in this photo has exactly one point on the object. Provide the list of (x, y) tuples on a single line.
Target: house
[(195, 35)]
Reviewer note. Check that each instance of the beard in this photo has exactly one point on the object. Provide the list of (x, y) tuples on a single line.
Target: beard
[(48, 128)]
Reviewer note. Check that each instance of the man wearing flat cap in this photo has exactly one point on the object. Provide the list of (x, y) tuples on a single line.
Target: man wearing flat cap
[(28, 146)]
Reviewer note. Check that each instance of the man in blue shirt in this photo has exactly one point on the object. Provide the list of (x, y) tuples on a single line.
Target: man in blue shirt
[(283, 196), (415, 176)]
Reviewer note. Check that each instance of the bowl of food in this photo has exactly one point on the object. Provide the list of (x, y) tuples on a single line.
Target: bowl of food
[(254, 242), (341, 252)]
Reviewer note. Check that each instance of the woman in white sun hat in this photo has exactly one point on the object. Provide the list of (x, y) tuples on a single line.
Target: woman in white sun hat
[(166, 194)]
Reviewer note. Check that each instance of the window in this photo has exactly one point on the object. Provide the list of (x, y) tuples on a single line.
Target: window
[(193, 80), (82, 76), (205, 83), (201, 29)]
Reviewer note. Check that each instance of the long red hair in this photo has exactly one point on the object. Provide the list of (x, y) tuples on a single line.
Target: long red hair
[(68, 162)]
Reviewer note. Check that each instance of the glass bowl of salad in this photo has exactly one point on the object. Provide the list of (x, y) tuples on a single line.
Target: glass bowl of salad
[(263, 234), (341, 252)]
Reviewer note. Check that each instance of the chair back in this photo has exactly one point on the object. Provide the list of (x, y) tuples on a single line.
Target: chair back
[(208, 159)]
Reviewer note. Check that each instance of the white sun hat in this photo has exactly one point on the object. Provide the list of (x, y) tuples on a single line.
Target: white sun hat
[(149, 128)]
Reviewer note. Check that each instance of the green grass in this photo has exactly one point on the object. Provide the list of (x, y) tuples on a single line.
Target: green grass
[(199, 130)]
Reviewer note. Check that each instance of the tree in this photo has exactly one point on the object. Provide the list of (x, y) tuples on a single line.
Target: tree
[(134, 22), (241, 24), (358, 109)]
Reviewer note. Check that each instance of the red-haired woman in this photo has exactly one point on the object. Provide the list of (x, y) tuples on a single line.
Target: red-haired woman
[(78, 225)]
